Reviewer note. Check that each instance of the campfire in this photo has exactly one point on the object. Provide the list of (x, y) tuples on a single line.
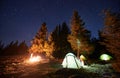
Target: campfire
[(33, 59)]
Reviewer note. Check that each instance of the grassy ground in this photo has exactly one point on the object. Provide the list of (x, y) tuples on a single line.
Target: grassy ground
[(92, 71), (15, 67)]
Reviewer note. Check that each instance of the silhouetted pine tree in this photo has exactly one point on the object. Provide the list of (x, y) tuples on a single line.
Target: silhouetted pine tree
[(11, 49), (22, 48), (1, 48), (65, 45), (96, 53), (61, 45), (56, 40)]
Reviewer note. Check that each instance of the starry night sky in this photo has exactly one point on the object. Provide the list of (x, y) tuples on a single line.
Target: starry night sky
[(21, 19)]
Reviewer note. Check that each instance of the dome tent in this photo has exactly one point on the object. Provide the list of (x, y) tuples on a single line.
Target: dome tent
[(71, 61)]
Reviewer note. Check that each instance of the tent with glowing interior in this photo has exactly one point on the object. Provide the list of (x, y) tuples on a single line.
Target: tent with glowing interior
[(71, 61)]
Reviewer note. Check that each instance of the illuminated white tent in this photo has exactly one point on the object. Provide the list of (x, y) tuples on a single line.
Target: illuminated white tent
[(71, 61)]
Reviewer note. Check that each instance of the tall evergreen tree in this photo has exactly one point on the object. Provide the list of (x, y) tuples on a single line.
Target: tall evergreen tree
[(111, 33), (39, 40), (65, 45), (79, 37), (49, 46), (61, 45), (55, 35)]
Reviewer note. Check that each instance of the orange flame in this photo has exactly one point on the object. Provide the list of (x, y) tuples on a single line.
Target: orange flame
[(34, 59)]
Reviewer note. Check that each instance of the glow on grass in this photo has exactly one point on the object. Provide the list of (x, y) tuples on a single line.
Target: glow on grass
[(105, 57)]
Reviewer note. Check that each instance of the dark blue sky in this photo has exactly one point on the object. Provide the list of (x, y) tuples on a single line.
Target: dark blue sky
[(21, 19)]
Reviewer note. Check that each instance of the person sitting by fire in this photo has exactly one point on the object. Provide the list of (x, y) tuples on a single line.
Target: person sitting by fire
[(82, 59)]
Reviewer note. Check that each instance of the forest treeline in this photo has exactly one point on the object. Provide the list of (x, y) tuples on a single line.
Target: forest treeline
[(77, 38), (13, 48), (74, 38)]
